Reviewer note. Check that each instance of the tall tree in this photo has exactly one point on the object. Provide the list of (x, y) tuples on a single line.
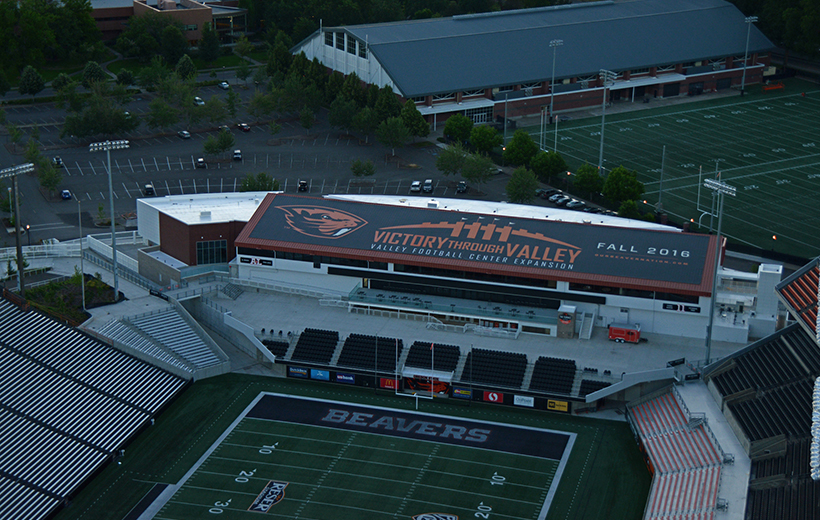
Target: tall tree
[(392, 133), (451, 160), (307, 118), (458, 128), (93, 73), (243, 46), (232, 102), (185, 68), (587, 180), (259, 182), (520, 149), (365, 121), (215, 110), (547, 165), (209, 44), (243, 70), (353, 89), (161, 114), (522, 185), (485, 138), (362, 168), (622, 184), (31, 82), (478, 169), (413, 120), (387, 104), (342, 112)]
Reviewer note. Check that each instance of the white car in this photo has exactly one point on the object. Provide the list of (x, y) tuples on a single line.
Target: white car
[(415, 187), (224, 85), (237, 155), (198, 101)]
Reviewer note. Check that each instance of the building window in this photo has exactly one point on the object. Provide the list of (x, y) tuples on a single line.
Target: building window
[(189, 27), (505, 88), (666, 68), (329, 39), (351, 46), (644, 70), (473, 93), (362, 51), (340, 41), (442, 97), (419, 99), (480, 115), (212, 252), (531, 85)]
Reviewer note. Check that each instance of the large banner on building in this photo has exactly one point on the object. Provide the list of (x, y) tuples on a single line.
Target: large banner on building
[(397, 233)]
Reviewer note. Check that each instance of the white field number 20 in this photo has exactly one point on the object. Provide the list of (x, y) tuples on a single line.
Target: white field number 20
[(483, 511)]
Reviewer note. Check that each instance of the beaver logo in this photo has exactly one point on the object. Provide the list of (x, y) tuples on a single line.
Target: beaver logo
[(322, 222)]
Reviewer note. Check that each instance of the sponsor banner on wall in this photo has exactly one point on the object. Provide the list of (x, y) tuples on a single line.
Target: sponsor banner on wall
[(298, 372), (321, 375), (557, 406), (494, 397), (348, 379), (523, 400), (390, 384), (463, 393)]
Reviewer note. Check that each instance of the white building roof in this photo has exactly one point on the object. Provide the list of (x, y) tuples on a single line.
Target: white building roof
[(208, 208)]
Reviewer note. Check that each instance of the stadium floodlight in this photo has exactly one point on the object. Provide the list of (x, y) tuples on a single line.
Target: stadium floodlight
[(13, 172), (608, 78), (720, 190), (749, 21), (107, 146), (554, 44)]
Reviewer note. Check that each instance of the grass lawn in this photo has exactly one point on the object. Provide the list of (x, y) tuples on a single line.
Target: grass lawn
[(332, 472), (766, 144)]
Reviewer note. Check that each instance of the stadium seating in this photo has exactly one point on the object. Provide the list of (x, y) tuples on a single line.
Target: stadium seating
[(169, 329), (590, 385), (494, 368), (444, 358), (316, 346), (361, 351), (277, 348), (553, 375), (798, 500), (687, 463), (67, 403)]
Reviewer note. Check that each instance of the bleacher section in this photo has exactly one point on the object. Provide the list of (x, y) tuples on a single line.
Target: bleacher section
[(361, 351), (687, 463), (767, 387), (442, 358), (590, 385), (316, 346), (126, 334), (67, 404), (168, 328), (553, 375), (277, 348), (800, 292), (490, 367)]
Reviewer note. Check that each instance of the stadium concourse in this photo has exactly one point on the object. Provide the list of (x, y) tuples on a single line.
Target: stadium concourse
[(273, 311)]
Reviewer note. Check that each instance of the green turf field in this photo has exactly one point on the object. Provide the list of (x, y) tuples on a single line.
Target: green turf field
[(333, 473), (328, 473), (766, 144)]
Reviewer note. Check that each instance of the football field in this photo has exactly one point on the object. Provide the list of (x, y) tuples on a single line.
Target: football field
[(765, 144), (293, 457)]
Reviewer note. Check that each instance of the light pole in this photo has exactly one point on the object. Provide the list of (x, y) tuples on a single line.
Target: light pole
[(28, 234), (554, 44), (749, 21), (13, 172), (82, 267), (720, 189), (107, 146), (607, 77)]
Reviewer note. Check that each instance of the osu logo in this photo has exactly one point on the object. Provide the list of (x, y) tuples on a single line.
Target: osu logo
[(321, 222), (435, 516)]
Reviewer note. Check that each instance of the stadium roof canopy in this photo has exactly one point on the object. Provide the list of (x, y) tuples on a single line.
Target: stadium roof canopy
[(489, 50), (641, 259), (801, 294)]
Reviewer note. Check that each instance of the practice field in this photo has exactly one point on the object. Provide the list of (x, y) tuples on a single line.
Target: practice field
[(311, 458), (765, 144)]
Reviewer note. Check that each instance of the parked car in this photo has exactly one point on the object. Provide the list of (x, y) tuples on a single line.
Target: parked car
[(200, 162), (237, 155), (563, 200), (428, 186), (303, 186), (57, 162), (223, 128), (149, 190), (244, 127), (461, 187), (415, 186), (65, 194), (198, 101), (576, 204), (546, 194), (184, 134), (556, 196), (224, 85)]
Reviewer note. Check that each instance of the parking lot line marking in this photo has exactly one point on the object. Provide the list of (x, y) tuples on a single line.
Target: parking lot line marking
[(131, 165), (143, 164), (155, 163), (92, 168), (181, 191), (126, 191), (167, 187)]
